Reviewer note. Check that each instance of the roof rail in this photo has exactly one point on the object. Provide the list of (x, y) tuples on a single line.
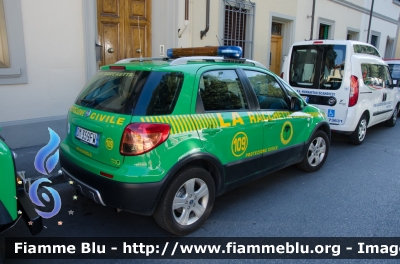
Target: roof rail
[(142, 59), (185, 60)]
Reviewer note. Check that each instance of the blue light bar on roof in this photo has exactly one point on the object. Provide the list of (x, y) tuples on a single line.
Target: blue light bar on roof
[(224, 51)]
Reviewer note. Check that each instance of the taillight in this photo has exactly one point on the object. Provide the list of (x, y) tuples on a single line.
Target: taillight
[(281, 75), (354, 90), (139, 138)]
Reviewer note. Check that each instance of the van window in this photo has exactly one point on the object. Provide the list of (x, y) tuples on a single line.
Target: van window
[(364, 49), (317, 66), (395, 70), (376, 76)]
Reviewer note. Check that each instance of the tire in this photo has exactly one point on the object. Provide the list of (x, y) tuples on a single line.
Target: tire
[(358, 135), (187, 202), (317, 152), (392, 121)]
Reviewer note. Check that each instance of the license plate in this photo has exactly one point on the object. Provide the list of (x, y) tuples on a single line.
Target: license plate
[(87, 136)]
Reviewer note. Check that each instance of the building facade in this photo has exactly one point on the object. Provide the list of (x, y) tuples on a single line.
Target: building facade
[(49, 49)]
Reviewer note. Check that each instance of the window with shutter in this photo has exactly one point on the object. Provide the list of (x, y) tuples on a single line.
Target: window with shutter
[(239, 25)]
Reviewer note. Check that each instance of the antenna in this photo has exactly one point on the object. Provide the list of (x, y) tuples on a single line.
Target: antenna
[(218, 40), (140, 41)]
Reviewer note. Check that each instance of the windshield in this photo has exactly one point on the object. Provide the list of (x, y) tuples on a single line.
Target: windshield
[(317, 66)]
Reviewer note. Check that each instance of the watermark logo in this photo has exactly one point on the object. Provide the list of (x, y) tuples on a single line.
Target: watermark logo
[(33, 194), (43, 162)]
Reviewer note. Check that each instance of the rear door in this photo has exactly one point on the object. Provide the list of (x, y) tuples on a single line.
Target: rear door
[(226, 124), (318, 73), (372, 88)]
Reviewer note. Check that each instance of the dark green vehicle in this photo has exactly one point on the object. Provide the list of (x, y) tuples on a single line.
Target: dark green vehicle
[(165, 137), (14, 200)]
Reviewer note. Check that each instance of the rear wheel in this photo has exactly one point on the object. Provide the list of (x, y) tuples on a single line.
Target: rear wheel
[(317, 152), (358, 135), (392, 121), (187, 202)]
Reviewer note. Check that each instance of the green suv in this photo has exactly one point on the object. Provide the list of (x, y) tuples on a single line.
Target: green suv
[(164, 137)]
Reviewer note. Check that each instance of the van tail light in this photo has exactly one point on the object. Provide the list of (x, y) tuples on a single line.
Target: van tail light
[(281, 75), (139, 138), (354, 90)]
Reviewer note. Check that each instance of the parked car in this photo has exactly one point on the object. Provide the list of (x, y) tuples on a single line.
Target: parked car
[(394, 68), (165, 137), (346, 79), (14, 200)]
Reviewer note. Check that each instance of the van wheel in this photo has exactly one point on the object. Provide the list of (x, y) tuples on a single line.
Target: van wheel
[(317, 152), (358, 136), (392, 121), (187, 202)]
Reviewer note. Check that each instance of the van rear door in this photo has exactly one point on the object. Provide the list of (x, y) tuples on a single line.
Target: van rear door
[(317, 72)]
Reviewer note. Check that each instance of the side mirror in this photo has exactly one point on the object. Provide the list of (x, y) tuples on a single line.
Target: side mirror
[(295, 104)]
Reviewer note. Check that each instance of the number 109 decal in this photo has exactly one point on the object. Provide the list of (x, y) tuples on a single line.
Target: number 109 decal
[(239, 144)]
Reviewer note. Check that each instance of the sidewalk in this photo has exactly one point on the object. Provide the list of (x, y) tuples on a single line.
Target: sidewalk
[(25, 162)]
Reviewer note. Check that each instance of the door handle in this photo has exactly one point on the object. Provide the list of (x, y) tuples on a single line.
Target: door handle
[(211, 130), (110, 50), (269, 123), (138, 50)]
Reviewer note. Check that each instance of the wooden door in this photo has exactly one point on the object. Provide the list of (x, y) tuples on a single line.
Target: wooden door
[(124, 29), (276, 54)]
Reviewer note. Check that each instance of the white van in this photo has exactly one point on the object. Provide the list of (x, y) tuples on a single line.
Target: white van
[(346, 79)]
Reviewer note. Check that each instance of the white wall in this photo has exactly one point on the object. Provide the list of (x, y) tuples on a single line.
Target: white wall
[(385, 28), (342, 16), (53, 32), (262, 27)]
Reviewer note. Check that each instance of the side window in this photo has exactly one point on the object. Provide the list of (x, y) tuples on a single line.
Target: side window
[(387, 77), (269, 93), (364, 49), (222, 91), (376, 76), (292, 94), (160, 93)]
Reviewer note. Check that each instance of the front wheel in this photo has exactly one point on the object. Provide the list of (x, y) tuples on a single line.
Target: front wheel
[(317, 152), (392, 121), (187, 202), (358, 135)]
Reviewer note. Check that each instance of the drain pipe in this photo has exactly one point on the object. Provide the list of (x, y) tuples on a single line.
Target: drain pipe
[(204, 32), (370, 18), (312, 20), (186, 23)]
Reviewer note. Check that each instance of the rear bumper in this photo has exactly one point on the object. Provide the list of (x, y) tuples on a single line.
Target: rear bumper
[(140, 198)]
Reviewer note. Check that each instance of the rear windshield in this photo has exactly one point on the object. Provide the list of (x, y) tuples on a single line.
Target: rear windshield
[(394, 70), (317, 66), (132, 92)]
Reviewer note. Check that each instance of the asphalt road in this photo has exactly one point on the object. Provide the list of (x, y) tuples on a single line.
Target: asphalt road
[(355, 194)]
